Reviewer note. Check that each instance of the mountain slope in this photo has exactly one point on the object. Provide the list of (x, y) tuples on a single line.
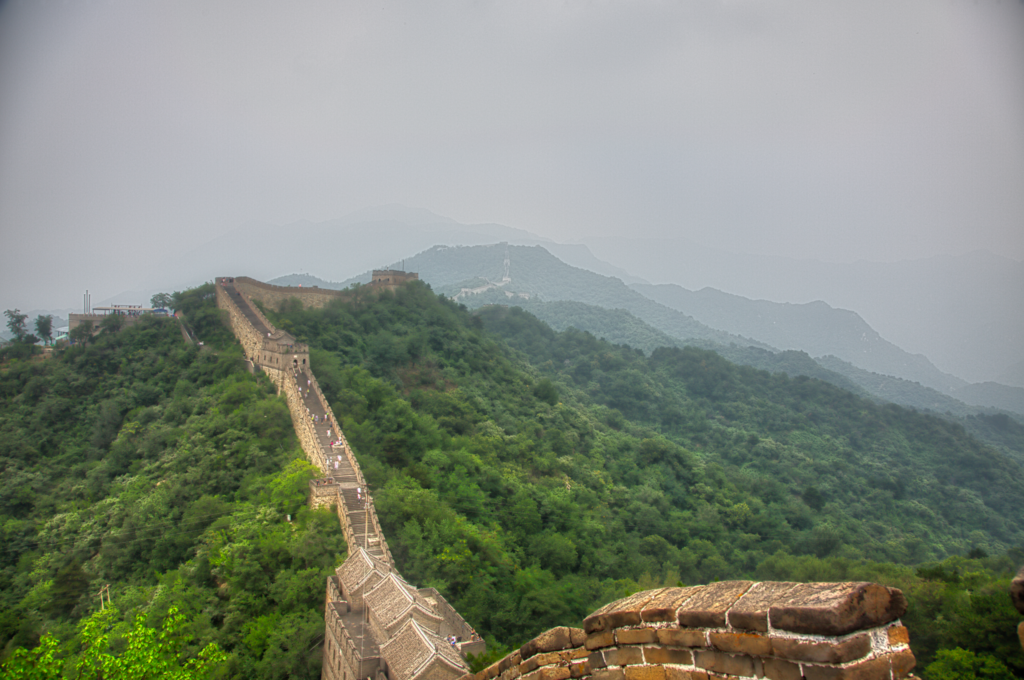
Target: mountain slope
[(172, 474), (814, 327), (962, 312), (530, 475), (535, 272), (546, 286)]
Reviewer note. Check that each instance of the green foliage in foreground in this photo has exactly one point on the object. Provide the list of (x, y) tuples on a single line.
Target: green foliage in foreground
[(168, 472), (531, 486), (146, 653)]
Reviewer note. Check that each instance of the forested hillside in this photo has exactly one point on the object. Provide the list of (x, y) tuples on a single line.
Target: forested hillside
[(618, 326), (533, 475), (168, 472)]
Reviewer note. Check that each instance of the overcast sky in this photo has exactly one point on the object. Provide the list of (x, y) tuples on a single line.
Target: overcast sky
[(835, 130)]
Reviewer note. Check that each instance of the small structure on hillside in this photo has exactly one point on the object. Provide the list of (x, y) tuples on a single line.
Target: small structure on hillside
[(281, 351), (380, 627), (129, 313), (390, 279)]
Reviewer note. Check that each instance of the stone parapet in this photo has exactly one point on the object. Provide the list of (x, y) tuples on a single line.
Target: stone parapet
[(741, 629), (273, 296), (250, 339)]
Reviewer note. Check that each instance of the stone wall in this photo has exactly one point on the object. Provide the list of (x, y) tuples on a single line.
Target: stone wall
[(273, 296), (731, 629), (250, 339)]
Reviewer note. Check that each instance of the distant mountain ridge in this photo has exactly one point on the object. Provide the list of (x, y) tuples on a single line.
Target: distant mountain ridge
[(964, 312), (860, 358), (813, 327)]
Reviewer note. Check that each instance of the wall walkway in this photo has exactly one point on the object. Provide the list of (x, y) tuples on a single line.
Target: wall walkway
[(343, 485)]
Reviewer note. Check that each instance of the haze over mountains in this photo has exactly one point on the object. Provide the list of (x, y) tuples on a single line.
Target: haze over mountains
[(561, 295), (943, 322), (963, 312)]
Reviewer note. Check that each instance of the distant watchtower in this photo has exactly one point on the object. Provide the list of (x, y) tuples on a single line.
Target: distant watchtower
[(389, 279), (281, 351)]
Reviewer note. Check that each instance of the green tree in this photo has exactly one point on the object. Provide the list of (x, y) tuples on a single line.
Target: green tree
[(161, 300), (16, 322), (546, 391), (44, 327), (112, 323), (81, 333), (147, 653), (963, 664)]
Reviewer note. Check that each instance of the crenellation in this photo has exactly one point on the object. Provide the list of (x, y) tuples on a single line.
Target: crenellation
[(847, 631)]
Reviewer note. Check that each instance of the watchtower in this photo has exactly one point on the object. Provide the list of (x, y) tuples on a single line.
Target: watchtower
[(389, 279), (281, 352)]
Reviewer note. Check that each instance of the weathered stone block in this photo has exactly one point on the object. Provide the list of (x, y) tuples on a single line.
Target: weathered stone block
[(528, 666), (667, 603), (883, 667), (596, 661), (573, 654), (556, 638), (751, 611), (903, 662), (1020, 633), (645, 672), (677, 637), (850, 649), (605, 638), (578, 669), (512, 659), (707, 607), (899, 635), (777, 669), (608, 674), (742, 643), (673, 673), (577, 636), (624, 612), (623, 656), (668, 655), (538, 660), (726, 664), (548, 673), (635, 636), (836, 608)]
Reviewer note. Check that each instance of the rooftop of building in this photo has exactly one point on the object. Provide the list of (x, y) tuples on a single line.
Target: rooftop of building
[(393, 598), (412, 650)]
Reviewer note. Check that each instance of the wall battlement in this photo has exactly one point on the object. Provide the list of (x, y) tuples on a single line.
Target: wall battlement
[(427, 639), (731, 629), (315, 298)]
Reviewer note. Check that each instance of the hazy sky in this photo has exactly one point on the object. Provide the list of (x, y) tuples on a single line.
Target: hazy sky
[(835, 130)]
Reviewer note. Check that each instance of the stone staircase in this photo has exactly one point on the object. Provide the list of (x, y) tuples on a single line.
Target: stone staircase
[(339, 469), (366, 535)]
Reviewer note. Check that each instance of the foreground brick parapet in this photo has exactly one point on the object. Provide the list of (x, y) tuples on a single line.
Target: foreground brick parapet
[(731, 629)]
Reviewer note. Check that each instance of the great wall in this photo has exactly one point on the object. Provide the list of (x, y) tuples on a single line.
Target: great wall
[(380, 627)]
